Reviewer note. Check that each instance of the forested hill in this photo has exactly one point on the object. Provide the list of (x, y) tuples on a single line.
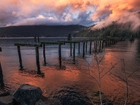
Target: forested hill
[(121, 29), (41, 30), (113, 30)]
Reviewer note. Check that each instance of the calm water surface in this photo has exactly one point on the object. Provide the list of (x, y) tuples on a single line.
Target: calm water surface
[(73, 85)]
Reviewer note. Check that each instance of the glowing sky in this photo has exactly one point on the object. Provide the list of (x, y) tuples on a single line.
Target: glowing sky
[(54, 12)]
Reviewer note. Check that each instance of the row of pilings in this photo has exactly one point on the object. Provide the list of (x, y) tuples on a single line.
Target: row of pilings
[(88, 46)]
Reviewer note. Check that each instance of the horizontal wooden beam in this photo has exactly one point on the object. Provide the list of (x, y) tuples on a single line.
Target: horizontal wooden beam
[(69, 41), (53, 43), (28, 45)]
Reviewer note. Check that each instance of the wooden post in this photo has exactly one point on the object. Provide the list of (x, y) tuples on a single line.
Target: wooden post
[(106, 43), (37, 60), (1, 77), (70, 49), (99, 45), (1, 74), (44, 55), (79, 48), (98, 42), (95, 45), (103, 42), (38, 39), (73, 53), (20, 59), (90, 47), (60, 60), (35, 39), (83, 49), (86, 46)]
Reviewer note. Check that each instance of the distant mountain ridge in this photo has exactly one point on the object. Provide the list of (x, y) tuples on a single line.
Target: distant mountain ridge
[(41, 30), (118, 28)]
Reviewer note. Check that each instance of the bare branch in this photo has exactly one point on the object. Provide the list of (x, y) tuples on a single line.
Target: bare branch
[(109, 70), (119, 77), (131, 74)]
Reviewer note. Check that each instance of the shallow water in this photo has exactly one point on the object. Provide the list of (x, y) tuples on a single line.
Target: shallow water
[(73, 85)]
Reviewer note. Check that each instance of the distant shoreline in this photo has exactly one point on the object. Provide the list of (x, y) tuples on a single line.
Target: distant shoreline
[(33, 37), (27, 37)]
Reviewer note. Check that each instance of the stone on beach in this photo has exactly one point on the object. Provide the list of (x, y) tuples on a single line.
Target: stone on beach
[(27, 94), (49, 101), (7, 100)]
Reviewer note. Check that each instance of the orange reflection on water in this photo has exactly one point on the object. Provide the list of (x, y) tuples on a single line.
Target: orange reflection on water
[(71, 75)]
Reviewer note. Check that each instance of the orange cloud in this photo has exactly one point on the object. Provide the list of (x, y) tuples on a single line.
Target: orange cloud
[(117, 9), (102, 10)]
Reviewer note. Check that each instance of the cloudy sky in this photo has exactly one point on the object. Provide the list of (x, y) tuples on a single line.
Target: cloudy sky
[(64, 12)]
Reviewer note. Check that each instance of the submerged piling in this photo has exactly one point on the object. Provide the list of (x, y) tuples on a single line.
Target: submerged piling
[(86, 45), (95, 45), (100, 45), (37, 60), (44, 55), (20, 58), (83, 49), (38, 39), (1, 74), (70, 49), (79, 48), (1, 77), (35, 39), (60, 60), (73, 53), (90, 47)]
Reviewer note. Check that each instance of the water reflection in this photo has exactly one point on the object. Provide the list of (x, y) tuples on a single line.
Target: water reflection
[(71, 85)]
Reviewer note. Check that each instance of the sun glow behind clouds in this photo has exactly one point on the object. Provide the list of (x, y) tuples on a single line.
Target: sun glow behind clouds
[(50, 12)]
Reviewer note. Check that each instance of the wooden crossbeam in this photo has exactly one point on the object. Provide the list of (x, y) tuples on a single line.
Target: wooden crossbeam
[(69, 41), (53, 43), (28, 45)]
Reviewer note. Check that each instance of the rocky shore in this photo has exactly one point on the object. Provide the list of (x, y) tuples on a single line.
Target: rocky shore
[(26, 95)]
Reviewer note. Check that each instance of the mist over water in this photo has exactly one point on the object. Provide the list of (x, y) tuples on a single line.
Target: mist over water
[(70, 86)]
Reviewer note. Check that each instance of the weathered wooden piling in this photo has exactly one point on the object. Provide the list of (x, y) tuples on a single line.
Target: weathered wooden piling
[(35, 39), (60, 59), (69, 37), (38, 39), (95, 45), (1, 77), (70, 49), (103, 43), (36, 45), (59, 43), (20, 58), (44, 55), (78, 48), (86, 45), (73, 53), (100, 45), (90, 47), (37, 60), (1, 74), (83, 49)]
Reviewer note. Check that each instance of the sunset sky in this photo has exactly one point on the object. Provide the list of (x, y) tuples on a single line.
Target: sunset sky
[(64, 12)]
